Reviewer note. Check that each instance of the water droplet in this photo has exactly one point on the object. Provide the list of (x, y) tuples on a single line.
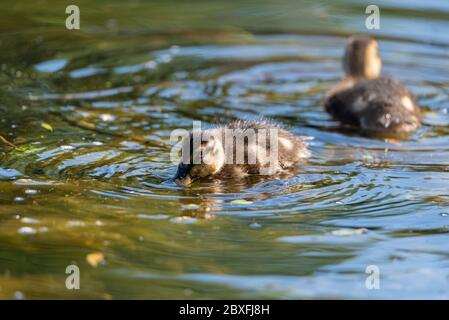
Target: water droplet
[(184, 220), (74, 223), (27, 231), (27, 220), (241, 201), (106, 117), (349, 232), (190, 206), (31, 191), (152, 216)]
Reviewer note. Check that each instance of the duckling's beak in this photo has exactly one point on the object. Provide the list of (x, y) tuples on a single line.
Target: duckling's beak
[(183, 177)]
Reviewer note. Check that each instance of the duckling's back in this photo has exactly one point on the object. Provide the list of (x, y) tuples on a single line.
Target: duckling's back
[(291, 149), (380, 105)]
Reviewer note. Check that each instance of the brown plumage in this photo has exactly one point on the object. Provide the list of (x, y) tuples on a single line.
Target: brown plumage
[(379, 105), (239, 149)]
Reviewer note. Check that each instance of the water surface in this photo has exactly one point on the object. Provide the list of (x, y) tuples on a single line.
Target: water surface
[(113, 92)]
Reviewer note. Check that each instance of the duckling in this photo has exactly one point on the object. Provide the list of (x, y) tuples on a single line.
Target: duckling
[(239, 149), (379, 105)]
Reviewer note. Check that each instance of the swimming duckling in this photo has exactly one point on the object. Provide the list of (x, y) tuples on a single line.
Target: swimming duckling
[(376, 104), (239, 149)]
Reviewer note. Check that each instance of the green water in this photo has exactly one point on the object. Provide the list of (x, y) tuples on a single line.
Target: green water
[(114, 90)]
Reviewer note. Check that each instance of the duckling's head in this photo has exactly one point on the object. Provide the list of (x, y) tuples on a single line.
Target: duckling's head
[(361, 59), (200, 160)]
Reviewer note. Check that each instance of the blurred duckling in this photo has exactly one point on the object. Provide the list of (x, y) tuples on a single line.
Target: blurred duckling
[(379, 105), (223, 154)]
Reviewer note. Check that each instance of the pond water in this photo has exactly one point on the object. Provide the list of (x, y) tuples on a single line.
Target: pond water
[(88, 187)]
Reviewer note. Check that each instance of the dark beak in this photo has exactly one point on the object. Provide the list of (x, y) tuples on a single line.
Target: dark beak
[(183, 177)]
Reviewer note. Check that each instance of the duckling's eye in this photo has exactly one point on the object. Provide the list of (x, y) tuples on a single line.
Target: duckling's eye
[(204, 143)]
